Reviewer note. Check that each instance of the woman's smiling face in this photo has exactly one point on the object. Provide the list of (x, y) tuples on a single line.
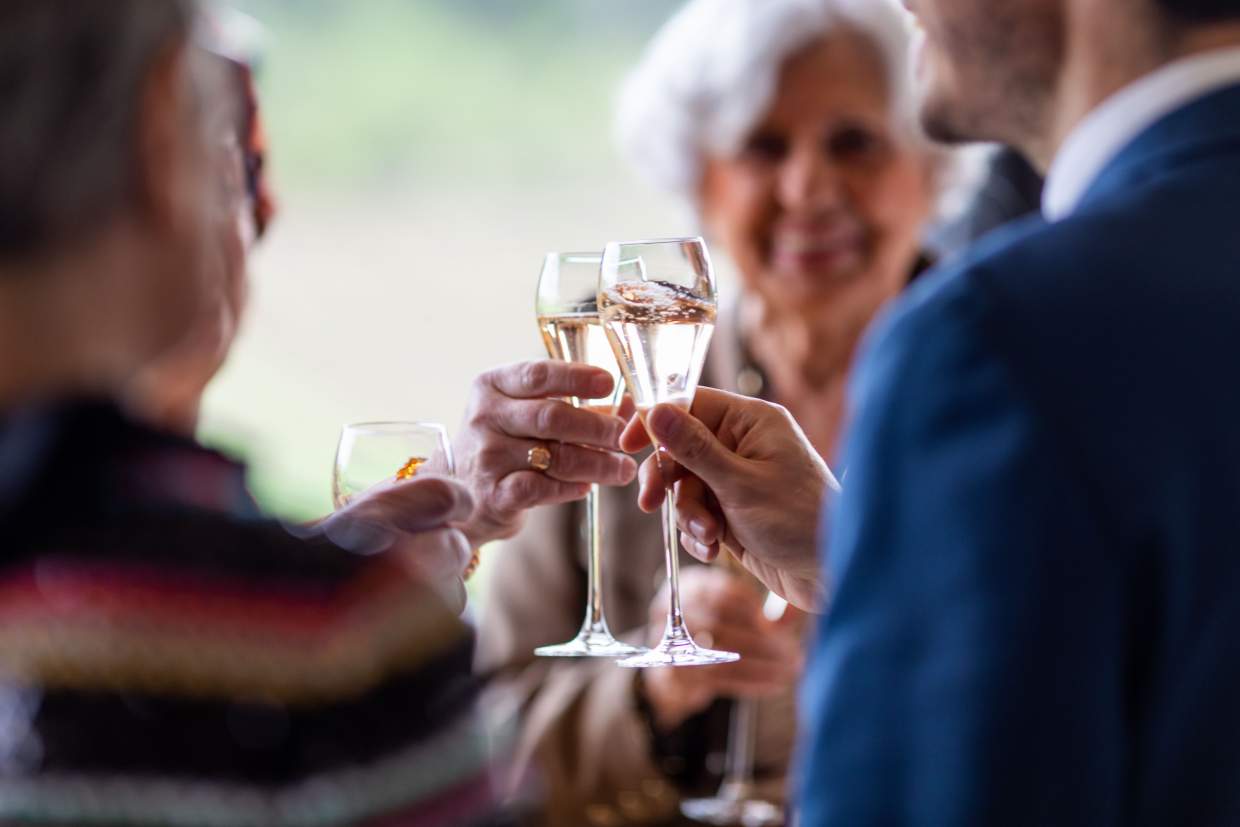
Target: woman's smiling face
[(824, 191)]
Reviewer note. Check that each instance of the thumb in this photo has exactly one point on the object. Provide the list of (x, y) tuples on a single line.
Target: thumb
[(414, 505), (692, 444)]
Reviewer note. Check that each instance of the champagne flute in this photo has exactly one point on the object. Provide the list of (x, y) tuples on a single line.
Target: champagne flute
[(567, 308), (370, 454), (657, 302), (737, 802)]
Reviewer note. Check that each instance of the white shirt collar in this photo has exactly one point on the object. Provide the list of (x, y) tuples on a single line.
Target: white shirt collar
[(1118, 120)]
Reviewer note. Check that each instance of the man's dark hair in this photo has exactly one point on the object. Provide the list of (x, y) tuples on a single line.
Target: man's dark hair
[(1200, 11), (71, 77)]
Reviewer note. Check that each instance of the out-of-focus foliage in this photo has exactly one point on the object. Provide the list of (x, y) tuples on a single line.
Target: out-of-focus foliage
[(370, 92)]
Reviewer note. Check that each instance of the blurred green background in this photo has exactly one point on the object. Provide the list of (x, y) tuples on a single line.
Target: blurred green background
[(426, 154), (384, 93)]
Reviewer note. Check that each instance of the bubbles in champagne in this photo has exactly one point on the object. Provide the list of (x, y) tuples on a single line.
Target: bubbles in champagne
[(655, 302), (659, 332)]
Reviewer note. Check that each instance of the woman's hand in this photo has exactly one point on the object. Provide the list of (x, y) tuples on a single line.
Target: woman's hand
[(727, 614), (748, 480), (519, 407)]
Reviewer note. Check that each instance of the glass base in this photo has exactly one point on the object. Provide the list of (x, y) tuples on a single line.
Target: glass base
[(730, 813), (678, 650), (591, 643)]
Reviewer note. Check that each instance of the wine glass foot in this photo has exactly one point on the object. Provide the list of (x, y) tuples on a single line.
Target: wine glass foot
[(678, 650), (591, 643), (730, 813)]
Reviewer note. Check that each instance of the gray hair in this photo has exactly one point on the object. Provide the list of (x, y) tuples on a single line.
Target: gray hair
[(71, 75), (712, 70)]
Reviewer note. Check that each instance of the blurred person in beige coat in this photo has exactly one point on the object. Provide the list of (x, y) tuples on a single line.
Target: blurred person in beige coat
[(785, 126)]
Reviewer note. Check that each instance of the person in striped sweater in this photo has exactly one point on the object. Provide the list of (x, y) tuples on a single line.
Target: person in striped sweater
[(169, 655)]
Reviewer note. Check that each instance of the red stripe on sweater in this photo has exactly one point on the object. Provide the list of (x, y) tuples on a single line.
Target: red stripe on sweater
[(66, 588)]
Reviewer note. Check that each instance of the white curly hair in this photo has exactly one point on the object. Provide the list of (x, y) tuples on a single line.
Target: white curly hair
[(711, 72)]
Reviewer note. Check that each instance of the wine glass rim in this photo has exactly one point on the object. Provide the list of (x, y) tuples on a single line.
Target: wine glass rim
[(578, 256), (391, 425), (651, 241)]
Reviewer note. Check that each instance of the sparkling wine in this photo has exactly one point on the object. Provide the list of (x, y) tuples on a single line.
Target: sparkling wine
[(579, 337), (659, 333)]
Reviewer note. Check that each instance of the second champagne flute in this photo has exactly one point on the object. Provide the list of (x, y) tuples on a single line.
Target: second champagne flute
[(567, 308), (657, 301)]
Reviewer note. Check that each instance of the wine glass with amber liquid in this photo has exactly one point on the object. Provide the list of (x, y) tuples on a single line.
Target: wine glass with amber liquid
[(372, 454)]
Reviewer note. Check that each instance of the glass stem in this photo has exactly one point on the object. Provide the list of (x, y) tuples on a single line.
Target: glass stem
[(738, 767), (594, 577), (675, 619)]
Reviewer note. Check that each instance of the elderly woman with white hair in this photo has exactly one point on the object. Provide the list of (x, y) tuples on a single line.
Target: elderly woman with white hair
[(784, 127)]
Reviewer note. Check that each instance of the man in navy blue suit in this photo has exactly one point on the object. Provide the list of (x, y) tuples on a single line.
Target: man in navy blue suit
[(1034, 565)]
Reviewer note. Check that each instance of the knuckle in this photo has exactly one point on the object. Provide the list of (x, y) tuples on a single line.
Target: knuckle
[(503, 503), (534, 375), (504, 497), (549, 417), (488, 387), (522, 491), (478, 415), (777, 411)]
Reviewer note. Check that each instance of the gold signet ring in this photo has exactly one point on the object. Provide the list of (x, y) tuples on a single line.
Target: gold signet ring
[(539, 457)]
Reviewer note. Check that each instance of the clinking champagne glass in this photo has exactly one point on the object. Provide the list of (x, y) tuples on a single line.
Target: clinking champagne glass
[(567, 309), (657, 302), (370, 454)]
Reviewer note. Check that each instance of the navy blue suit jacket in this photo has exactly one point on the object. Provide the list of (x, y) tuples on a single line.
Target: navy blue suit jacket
[(1036, 556)]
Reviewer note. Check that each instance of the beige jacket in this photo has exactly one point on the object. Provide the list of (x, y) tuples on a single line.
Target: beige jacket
[(585, 751)]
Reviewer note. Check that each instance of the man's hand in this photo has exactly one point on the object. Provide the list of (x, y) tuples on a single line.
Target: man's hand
[(515, 408), (747, 479), (727, 614), (413, 520)]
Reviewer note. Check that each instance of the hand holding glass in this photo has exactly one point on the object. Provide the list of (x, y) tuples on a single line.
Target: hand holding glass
[(377, 453)]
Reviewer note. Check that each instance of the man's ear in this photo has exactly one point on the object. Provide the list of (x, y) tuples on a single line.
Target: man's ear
[(168, 138)]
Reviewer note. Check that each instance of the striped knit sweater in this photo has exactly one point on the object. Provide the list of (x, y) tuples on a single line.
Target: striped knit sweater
[(169, 657)]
